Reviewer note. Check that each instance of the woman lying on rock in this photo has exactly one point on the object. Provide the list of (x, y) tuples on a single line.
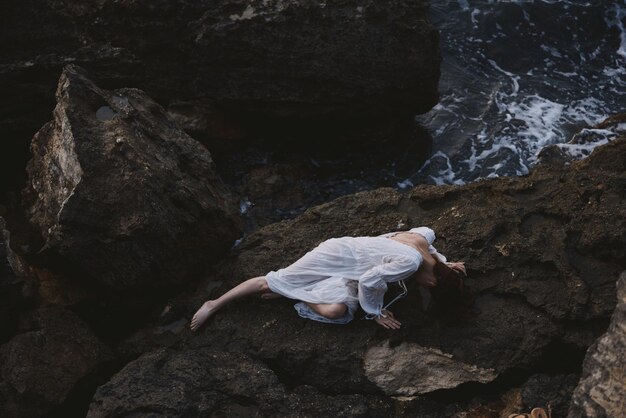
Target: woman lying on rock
[(337, 276)]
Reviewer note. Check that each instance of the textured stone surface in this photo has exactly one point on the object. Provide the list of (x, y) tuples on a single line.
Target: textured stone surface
[(540, 251), (41, 366), (227, 68), (10, 289), (205, 382), (552, 391), (120, 197), (601, 391), (409, 370)]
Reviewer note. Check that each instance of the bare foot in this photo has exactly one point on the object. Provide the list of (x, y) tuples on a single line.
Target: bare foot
[(270, 295), (202, 314)]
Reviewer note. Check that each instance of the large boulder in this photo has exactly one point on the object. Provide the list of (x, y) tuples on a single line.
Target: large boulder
[(205, 382), (541, 251), (601, 391), (226, 68), (43, 368), (120, 198)]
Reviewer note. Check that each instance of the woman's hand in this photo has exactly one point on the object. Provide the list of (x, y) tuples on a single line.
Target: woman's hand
[(389, 321), (458, 266)]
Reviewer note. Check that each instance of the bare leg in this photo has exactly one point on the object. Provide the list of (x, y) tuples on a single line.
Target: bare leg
[(329, 310), (249, 287)]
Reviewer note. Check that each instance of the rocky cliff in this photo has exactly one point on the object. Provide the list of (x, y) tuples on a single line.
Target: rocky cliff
[(283, 69), (601, 391), (121, 196), (543, 253), (124, 225)]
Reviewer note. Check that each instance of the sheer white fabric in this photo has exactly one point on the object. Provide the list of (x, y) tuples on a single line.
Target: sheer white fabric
[(350, 270), (429, 235)]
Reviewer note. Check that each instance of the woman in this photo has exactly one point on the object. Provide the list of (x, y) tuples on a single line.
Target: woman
[(341, 274)]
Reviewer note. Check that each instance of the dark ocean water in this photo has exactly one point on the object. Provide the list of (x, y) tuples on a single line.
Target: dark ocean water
[(517, 76)]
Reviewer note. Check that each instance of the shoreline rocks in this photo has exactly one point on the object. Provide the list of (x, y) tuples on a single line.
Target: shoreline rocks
[(11, 288), (119, 197), (41, 366), (601, 391), (539, 250), (278, 71), (535, 306)]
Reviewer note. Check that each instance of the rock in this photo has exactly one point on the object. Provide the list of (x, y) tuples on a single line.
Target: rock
[(11, 286), (278, 189), (226, 68), (123, 200), (281, 183), (408, 370), (41, 367), (601, 391), (539, 250), (205, 382), (549, 392)]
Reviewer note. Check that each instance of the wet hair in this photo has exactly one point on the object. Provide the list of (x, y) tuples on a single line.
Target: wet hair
[(453, 299)]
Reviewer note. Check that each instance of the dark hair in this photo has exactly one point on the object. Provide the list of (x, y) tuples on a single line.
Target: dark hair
[(453, 299)]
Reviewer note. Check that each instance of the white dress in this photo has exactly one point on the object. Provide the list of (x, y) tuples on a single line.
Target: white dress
[(350, 270)]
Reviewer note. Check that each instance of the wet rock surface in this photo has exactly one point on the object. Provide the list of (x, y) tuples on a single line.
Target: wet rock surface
[(540, 250), (127, 211), (601, 391), (119, 197)]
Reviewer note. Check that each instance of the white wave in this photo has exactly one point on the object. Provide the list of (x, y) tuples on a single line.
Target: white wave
[(580, 151), (585, 141), (502, 117), (244, 205), (514, 78), (543, 122), (552, 51), (405, 184), (475, 13), (615, 75), (445, 175), (540, 116), (589, 110), (568, 74), (574, 2)]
